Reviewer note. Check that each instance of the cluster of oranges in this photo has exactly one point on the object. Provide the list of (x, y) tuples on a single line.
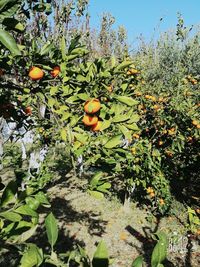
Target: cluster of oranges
[(133, 72), (196, 124), (91, 107), (150, 191), (36, 73), (192, 79), (152, 194)]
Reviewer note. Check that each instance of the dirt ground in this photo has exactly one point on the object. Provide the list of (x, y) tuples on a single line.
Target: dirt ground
[(127, 231)]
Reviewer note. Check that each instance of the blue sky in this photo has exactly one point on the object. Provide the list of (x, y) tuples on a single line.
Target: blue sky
[(143, 16)]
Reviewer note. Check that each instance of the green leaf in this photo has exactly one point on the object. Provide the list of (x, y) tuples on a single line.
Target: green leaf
[(13, 24), (105, 124), (8, 7), (120, 118), (123, 65), (81, 78), (125, 131), (9, 193), (52, 229), (134, 118), (96, 178), (124, 86), (9, 42), (32, 203), (32, 257), (114, 141), (104, 187), (41, 197), (133, 127), (63, 134), (83, 96), (63, 47), (83, 138), (54, 90), (160, 250), (129, 101), (101, 258), (96, 194), (11, 216), (26, 210), (25, 235), (46, 48), (138, 262)]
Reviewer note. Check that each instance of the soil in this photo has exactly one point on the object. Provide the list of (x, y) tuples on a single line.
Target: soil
[(127, 230)]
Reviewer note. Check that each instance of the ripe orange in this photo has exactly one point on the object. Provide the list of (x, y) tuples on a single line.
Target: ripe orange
[(136, 136), (152, 194), (133, 71), (92, 106), (195, 122), (28, 110), (55, 71), (96, 127), (161, 201), (90, 120), (36, 73), (156, 107), (198, 126), (150, 190), (160, 143)]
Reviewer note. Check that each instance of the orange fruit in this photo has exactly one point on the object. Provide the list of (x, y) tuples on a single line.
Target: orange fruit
[(36, 73), (160, 143), (92, 106), (90, 120), (136, 136), (156, 107), (134, 71), (195, 122), (55, 71), (198, 126), (96, 127), (149, 190), (161, 201), (152, 194), (28, 110)]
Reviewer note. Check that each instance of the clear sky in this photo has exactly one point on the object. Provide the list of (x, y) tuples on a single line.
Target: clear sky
[(143, 16)]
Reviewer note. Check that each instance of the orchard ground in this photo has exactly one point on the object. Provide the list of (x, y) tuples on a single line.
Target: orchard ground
[(127, 230)]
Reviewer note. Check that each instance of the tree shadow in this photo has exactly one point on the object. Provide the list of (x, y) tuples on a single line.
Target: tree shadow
[(147, 243)]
